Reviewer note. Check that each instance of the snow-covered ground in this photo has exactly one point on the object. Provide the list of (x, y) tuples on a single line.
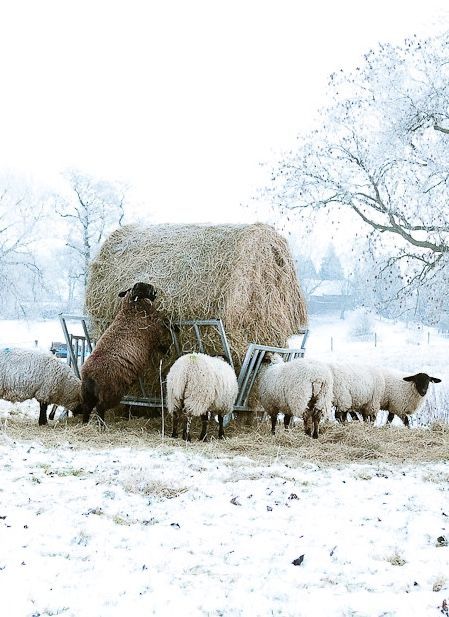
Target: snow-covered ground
[(171, 530)]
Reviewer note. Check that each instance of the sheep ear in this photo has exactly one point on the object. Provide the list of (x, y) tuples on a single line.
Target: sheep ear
[(435, 379), (122, 294), (410, 378)]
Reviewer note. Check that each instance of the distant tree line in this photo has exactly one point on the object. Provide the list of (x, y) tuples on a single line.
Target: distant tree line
[(48, 240), (371, 282)]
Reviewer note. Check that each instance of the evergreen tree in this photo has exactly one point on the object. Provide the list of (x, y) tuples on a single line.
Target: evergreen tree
[(331, 266)]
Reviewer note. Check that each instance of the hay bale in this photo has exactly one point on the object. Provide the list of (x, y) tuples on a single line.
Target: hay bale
[(243, 274)]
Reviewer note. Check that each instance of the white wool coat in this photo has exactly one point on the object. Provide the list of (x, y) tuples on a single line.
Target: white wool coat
[(289, 387), (357, 387), (29, 373), (197, 383)]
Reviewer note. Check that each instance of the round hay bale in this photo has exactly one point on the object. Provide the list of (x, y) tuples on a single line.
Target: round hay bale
[(242, 274)]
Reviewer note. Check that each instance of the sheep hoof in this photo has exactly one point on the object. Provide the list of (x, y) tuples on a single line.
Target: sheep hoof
[(42, 422), (204, 438), (174, 434)]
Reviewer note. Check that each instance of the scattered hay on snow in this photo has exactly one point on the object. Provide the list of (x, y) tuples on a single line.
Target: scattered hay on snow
[(353, 443)]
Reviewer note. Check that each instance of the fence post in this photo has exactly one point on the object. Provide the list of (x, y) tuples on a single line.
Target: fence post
[(332, 343), (375, 339)]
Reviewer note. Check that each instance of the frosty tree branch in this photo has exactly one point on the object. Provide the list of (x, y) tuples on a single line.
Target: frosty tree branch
[(380, 151)]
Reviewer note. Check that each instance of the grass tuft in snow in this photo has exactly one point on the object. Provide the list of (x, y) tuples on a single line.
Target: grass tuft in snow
[(396, 559)]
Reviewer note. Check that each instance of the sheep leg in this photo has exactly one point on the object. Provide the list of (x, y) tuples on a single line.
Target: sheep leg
[(87, 408), (406, 422), (341, 416), (51, 415), (307, 423), (43, 413), (220, 427), (316, 417), (390, 417), (204, 423), (175, 424), (274, 418), (287, 419), (354, 416), (186, 430)]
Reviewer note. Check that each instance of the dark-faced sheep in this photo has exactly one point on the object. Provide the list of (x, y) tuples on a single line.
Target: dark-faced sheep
[(123, 352), (404, 394)]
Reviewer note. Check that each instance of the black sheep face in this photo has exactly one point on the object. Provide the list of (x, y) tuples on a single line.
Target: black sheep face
[(140, 291), (421, 381)]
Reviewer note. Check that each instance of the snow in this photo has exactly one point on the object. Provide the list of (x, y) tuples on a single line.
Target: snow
[(138, 532), (168, 531)]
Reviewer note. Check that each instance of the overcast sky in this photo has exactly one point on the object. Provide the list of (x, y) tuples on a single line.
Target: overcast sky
[(183, 99)]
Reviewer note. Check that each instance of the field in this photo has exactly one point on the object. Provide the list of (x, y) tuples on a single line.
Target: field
[(126, 521)]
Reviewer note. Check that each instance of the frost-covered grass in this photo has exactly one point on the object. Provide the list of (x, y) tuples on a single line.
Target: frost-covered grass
[(125, 523)]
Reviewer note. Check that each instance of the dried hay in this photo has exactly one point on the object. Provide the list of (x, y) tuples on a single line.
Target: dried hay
[(243, 274), (354, 443)]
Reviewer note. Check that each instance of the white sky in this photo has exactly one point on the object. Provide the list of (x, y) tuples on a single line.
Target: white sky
[(183, 99)]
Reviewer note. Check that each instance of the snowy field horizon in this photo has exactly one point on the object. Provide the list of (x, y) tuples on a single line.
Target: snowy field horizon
[(97, 526)]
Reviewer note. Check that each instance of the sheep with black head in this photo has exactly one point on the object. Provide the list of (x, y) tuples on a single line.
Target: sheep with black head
[(123, 351), (404, 394)]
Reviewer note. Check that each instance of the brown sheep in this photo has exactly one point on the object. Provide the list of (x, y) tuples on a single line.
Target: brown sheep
[(123, 351)]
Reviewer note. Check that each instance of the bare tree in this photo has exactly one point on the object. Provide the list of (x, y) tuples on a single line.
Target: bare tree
[(20, 274), (382, 153), (91, 210)]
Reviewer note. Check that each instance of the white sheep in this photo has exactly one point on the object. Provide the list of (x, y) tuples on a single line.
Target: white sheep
[(29, 373), (356, 388), (196, 385), (300, 388), (404, 394)]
